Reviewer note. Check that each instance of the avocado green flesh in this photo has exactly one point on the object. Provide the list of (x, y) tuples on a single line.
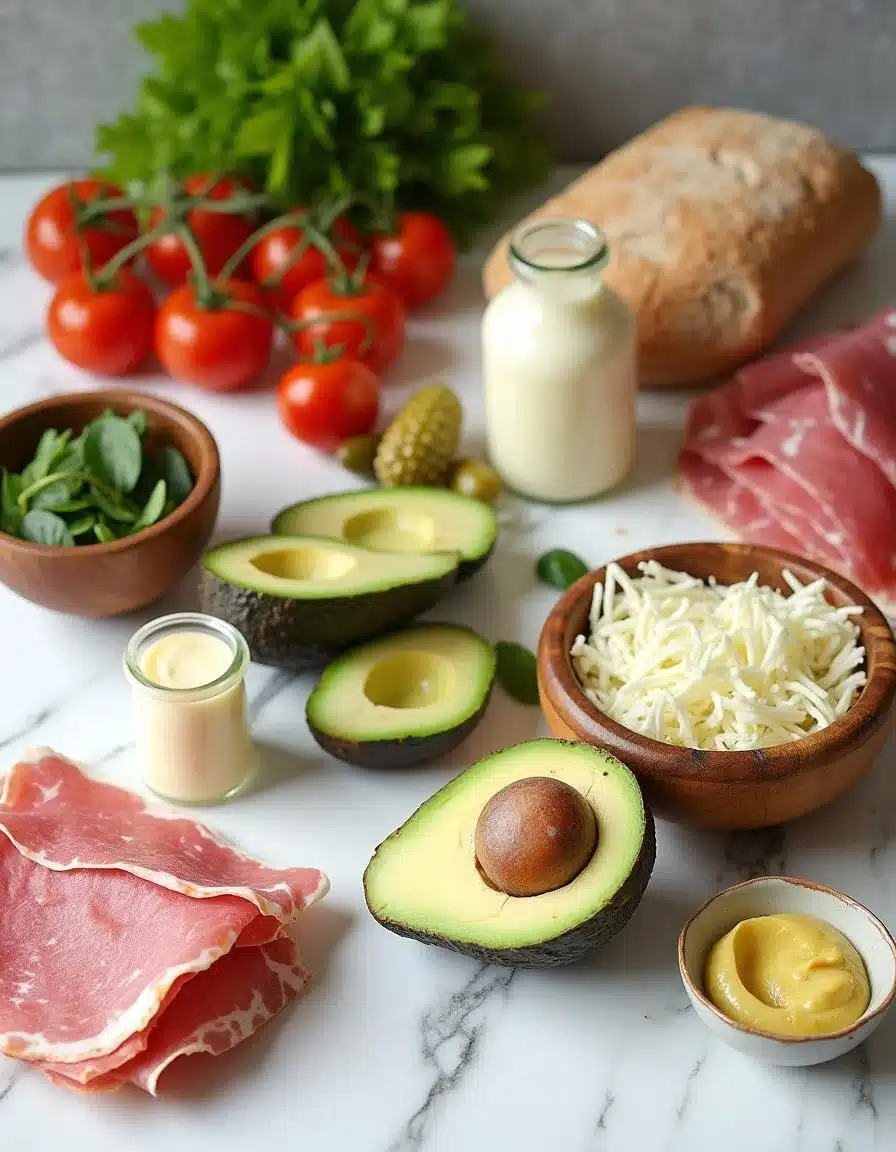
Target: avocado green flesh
[(419, 682), (410, 520), (301, 600), (423, 881)]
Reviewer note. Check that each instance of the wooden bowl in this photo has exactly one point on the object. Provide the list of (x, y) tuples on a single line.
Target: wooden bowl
[(748, 789), (96, 580)]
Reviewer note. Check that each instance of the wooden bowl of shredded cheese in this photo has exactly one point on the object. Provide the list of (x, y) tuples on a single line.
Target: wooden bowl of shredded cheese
[(743, 685)]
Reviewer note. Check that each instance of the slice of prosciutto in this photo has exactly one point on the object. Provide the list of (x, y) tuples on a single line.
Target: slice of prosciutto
[(129, 935), (799, 451)]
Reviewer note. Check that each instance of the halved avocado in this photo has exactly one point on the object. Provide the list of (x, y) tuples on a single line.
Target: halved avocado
[(301, 600), (425, 882), (412, 519), (404, 699)]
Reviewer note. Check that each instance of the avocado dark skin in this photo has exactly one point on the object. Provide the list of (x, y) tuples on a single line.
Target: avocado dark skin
[(408, 752), (572, 945), (303, 635)]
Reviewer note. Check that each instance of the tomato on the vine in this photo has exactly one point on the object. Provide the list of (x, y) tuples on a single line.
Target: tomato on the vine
[(283, 262), (218, 234), (417, 261), (324, 403), (104, 329), (365, 320), (221, 345), (53, 239)]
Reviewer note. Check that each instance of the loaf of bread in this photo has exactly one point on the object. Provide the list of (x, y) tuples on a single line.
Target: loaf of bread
[(721, 225)]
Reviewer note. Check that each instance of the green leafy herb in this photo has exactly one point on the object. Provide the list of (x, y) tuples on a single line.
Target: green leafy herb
[(560, 568), (113, 453), (98, 485), (385, 101), (153, 508), (515, 670), (42, 527), (175, 471)]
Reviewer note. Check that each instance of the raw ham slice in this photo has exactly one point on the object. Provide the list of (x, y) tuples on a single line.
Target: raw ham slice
[(216, 1010), (128, 935), (799, 451)]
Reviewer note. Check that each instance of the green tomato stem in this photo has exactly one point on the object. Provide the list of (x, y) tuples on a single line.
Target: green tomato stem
[(205, 292), (296, 217)]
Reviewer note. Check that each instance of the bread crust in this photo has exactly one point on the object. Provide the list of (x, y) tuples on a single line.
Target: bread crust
[(722, 224)]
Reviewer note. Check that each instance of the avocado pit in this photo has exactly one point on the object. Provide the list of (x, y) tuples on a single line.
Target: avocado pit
[(534, 835)]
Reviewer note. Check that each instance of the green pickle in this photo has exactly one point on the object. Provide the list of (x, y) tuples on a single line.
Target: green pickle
[(358, 453), (473, 478)]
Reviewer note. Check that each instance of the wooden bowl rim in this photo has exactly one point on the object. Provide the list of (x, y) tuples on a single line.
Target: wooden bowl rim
[(793, 882), (668, 762), (165, 410)]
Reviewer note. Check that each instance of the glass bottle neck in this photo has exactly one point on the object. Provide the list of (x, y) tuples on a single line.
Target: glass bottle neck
[(563, 258)]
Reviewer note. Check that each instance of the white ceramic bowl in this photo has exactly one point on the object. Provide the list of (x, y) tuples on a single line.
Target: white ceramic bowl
[(772, 894)]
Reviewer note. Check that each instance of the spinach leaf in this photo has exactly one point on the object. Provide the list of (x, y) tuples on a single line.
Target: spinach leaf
[(113, 453), (42, 527), (114, 509), (152, 509), (175, 471), (137, 420), (560, 568), (10, 513), (82, 525), (516, 672)]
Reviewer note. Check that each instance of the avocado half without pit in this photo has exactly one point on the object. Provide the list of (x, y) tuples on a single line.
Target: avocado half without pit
[(301, 600), (535, 856), (404, 699), (412, 519)]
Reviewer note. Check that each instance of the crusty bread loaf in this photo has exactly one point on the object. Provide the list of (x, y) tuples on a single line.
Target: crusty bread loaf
[(721, 224)]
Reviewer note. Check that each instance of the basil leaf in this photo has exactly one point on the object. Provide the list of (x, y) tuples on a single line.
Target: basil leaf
[(42, 527), (82, 525), (175, 471), (515, 671), (112, 452), (72, 506), (137, 420), (114, 509), (10, 512), (560, 568), (152, 509), (103, 532)]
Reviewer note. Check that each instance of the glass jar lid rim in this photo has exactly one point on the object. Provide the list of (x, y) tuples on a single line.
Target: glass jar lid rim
[(595, 255), (188, 621)]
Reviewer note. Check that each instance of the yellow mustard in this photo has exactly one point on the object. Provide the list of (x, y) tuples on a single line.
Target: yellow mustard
[(790, 975)]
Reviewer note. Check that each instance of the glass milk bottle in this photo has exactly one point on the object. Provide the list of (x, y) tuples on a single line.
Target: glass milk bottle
[(559, 366)]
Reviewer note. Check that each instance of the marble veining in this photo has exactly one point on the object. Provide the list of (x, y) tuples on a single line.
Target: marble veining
[(399, 1047)]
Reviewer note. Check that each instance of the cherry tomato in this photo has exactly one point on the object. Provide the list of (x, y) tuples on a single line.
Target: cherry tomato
[(282, 273), (375, 338), (325, 403), (218, 234), (106, 330), (417, 261), (218, 347), (52, 238)]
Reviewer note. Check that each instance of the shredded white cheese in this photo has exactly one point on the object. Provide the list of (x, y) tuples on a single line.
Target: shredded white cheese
[(716, 666)]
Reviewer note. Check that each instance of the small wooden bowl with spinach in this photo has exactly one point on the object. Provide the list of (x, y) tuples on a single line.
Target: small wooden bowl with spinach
[(107, 499)]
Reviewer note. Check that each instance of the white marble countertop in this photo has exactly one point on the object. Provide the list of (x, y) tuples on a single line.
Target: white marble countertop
[(400, 1047)]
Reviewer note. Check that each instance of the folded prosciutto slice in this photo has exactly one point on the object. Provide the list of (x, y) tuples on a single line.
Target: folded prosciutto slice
[(130, 937), (799, 451)]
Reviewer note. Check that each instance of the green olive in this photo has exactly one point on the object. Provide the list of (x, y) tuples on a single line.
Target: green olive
[(473, 478), (357, 453)]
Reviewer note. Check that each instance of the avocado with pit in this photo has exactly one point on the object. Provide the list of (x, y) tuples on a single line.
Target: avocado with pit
[(301, 600), (404, 699), (535, 856), (412, 519)]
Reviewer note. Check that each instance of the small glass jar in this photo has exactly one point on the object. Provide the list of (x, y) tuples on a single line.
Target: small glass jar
[(193, 741), (559, 368)]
